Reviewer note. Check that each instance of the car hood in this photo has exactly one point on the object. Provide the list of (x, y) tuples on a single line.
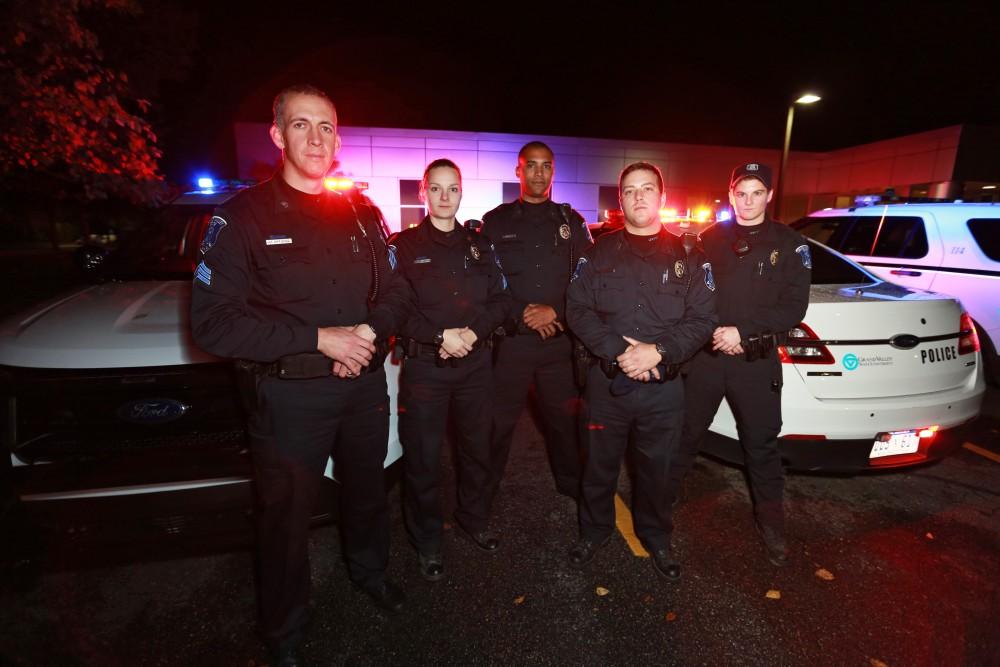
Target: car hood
[(113, 325)]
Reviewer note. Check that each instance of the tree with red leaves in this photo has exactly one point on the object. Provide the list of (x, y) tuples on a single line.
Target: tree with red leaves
[(69, 127)]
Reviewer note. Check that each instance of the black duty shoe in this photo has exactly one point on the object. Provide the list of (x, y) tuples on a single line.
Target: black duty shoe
[(584, 551), (774, 542), (387, 596), (483, 539), (431, 566), (665, 565)]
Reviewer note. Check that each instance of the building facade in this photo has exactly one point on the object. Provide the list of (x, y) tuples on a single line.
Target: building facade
[(951, 162)]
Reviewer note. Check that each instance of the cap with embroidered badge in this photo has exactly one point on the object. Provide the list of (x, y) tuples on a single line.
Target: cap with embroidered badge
[(751, 170)]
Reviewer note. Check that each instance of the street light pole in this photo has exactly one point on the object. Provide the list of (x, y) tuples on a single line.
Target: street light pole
[(808, 98)]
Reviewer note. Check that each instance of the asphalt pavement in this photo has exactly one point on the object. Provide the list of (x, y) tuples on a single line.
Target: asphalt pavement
[(895, 568)]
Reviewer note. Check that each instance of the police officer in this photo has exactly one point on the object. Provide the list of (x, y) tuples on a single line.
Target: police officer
[(763, 271), (295, 283), (461, 297), (538, 243), (642, 306)]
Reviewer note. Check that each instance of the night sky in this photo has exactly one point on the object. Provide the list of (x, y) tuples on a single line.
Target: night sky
[(615, 70)]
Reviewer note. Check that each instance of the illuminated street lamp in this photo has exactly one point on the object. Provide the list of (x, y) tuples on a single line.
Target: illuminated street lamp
[(808, 98)]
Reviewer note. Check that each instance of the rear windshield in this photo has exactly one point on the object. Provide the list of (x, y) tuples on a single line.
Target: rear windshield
[(986, 231), (831, 269), (872, 236)]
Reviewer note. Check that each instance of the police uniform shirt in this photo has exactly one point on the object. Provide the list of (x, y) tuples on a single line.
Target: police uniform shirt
[(278, 263), (766, 290), (538, 246), (455, 279), (646, 288)]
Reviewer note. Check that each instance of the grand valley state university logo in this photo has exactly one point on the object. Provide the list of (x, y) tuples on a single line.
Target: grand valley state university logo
[(852, 362)]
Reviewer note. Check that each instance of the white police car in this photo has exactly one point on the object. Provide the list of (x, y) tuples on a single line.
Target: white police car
[(951, 248), (879, 375), (105, 397)]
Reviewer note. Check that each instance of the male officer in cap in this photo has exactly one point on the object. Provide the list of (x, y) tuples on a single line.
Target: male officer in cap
[(762, 270), (295, 284), (642, 306), (538, 243)]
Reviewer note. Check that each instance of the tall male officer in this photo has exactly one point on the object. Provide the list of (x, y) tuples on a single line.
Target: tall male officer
[(461, 297), (538, 243), (642, 306), (763, 271), (296, 284)]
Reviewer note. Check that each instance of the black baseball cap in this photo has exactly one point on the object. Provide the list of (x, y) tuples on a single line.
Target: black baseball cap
[(751, 170)]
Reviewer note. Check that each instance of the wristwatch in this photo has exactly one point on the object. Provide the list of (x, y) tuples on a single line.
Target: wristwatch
[(662, 351), (439, 337)]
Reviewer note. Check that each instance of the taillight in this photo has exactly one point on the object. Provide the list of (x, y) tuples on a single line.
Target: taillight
[(796, 352), (968, 339)]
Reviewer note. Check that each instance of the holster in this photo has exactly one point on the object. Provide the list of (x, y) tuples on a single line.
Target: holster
[(583, 360)]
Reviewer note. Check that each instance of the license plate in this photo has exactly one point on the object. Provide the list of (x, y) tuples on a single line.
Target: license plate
[(897, 442)]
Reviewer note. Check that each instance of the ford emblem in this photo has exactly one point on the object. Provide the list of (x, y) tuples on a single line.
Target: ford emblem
[(152, 410), (904, 341)]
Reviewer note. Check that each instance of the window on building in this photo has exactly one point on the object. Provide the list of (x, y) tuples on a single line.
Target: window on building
[(986, 231), (411, 210), (511, 192)]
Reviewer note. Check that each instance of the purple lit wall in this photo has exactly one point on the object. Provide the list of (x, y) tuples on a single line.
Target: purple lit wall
[(695, 175)]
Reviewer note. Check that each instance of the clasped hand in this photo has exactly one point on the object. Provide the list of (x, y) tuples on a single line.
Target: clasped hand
[(457, 342), (639, 360), (541, 318), (351, 348), (727, 341)]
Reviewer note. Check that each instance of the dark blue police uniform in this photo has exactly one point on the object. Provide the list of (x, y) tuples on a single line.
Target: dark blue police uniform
[(276, 265), (763, 276), (456, 282), (538, 246), (647, 288)]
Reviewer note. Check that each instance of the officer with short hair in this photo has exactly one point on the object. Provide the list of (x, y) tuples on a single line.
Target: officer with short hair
[(461, 297), (538, 243), (642, 305), (295, 283), (762, 269)]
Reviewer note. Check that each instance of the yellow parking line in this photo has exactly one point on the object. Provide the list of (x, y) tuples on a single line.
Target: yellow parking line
[(623, 519), (982, 452)]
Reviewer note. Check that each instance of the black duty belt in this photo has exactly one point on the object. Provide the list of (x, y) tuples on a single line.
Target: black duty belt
[(610, 369), (415, 349), (308, 365)]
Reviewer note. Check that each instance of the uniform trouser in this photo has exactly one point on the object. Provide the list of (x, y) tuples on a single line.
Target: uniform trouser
[(426, 393), (753, 391), (520, 361), (651, 417), (297, 425)]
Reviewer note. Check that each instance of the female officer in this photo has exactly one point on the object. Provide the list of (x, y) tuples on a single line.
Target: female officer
[(461, 297)]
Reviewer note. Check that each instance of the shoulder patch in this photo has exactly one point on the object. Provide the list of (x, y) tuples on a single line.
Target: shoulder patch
[(803, 252), (393, 261), (215, 227), (709, 278), (579, 265), (203, 273)]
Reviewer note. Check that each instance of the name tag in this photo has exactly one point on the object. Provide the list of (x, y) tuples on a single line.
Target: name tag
[(278, 240), (422, 260)]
